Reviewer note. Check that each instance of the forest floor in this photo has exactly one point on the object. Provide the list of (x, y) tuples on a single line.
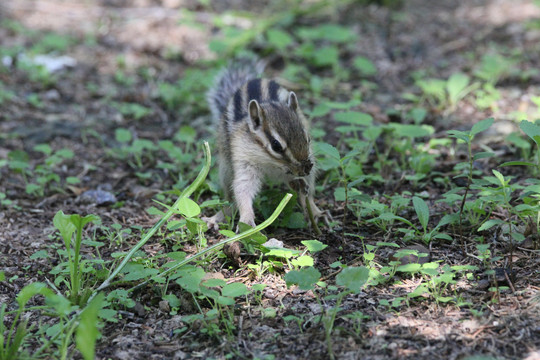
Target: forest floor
[(121, 53)]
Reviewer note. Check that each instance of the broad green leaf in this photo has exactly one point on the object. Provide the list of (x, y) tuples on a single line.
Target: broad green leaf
[(188, 207), (482, 155), (65, 153), (532, 130), (234, 290), (190, 278), (31, 290), (412, 131), (459, 135), (87, 331), (354, 117), (305, 278), (364, 65), (326, 56), (224, 300), (422, 211), (411, 268), (314, 245), (303, 261), (353, 278), (44, 148), (141, 273), (481, 126), (66, 227), (279, 38), (499, 177), (296, 221), (173, 300), (372, 133), (489, 224), (122, 135), (418, 115), (214, 283), (456, 85), (329, 150)]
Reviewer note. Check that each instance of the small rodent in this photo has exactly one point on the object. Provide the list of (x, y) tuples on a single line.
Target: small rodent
[(262, 133)]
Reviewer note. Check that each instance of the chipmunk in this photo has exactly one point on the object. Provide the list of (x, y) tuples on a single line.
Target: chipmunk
[(262, 134)]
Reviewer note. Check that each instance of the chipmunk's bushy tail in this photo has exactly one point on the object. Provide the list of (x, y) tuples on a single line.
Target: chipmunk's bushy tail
[(229, 80)]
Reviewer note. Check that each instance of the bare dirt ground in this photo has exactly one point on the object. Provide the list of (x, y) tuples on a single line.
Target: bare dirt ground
[(431, 34)]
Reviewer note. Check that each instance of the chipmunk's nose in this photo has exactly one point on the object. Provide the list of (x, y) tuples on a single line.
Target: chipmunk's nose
[(307, 165)]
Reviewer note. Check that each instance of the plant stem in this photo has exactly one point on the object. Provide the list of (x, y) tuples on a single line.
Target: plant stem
[(462, 206)]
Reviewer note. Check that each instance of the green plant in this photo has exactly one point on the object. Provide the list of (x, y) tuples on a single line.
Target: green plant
[(468, 137), (83, 322), (133, 110), (69, 225), (351, 279), (446, 94)]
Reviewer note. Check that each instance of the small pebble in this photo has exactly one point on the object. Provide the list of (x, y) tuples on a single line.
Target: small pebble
[(98, 197)]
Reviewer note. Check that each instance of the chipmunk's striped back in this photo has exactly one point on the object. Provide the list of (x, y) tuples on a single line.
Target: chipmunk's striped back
[(260, 90)]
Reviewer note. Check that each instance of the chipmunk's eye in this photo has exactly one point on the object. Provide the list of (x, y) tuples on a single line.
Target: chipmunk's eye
[(276, 146)]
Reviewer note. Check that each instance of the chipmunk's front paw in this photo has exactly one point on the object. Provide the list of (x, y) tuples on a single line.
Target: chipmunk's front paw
[(319, 214)]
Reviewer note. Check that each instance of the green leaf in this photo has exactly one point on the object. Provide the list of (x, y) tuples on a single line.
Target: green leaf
[(314, 245), (412, 131), (87, 331), (459, 135), (190, 278), (226, 301), (481, 126), (353, 278), (279, 38), (296, 221), (31, 290), (122, 135), (173, 300), (332, 159), (305, 278), (483, 155), (140, 272), (66, 227), (499, 177), (214, 283), (422, 211), (532, 130), (364, 65), (303, 261), (188, 207), (234, 290), (456, 85), (354, 117), (389, 216), (44, 148), (326, 56), (517, 163), (411, 268), (489, 224)]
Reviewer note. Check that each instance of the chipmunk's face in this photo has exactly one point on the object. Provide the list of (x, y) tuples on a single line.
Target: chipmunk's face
[(279, 130)]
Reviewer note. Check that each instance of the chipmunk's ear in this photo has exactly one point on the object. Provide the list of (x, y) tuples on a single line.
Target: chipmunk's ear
[(255, 115), (293, 101)]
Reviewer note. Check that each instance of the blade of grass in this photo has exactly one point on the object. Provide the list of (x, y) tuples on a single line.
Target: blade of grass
[(187, 192), (240, 236)]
